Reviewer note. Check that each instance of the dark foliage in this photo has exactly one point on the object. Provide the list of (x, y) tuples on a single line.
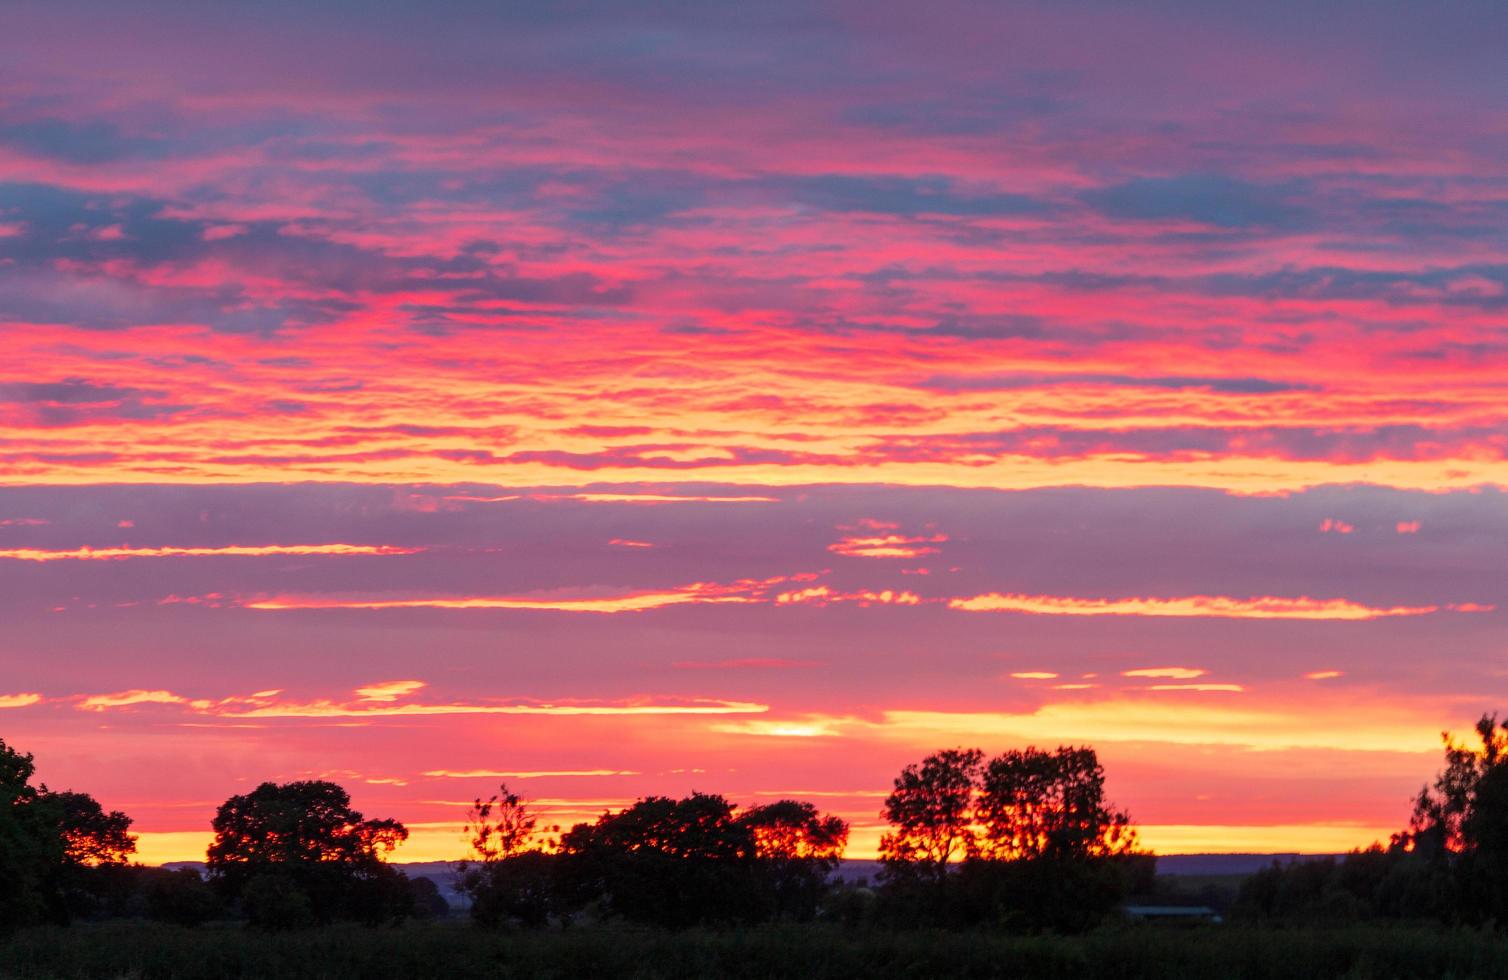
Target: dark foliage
[(674, 863), (1451, 864), (303, 844), (181, 897), (1024, 841), (55, 847), (814, 952)]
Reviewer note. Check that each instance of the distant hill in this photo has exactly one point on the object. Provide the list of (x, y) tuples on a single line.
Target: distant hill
[(1167, 864), (443, 872)]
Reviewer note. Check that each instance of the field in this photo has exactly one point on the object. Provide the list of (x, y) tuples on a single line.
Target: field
[(140, 951)]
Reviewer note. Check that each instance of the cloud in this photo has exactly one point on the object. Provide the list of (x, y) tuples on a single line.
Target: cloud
[(1176, 673), (19, 700), (1258, 607), (886, 545), (389, 690), (380, 701), (633, 602), (620, 498), (125, 699), (1211, 199), (782, 729), (224, 551), (526, 774), (1025, 382)]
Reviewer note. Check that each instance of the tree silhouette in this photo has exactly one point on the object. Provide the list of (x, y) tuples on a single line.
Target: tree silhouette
[(24, 854), (48, 841), (795, 849), (1025, 841), (306, 834), (931, 809), (1444, 813), (670, 862), (501, 826), (1461, 822), (508, 875), (1036, 804)]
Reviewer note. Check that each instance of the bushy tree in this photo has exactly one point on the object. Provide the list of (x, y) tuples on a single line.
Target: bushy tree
[(796, 849), (931, 809), (306, 836), (674, 863), (1025, 840), (53, 846), (1036, 804), (1460, 822)]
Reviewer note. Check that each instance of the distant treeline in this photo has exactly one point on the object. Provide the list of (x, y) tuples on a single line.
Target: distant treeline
[(1023, 841)]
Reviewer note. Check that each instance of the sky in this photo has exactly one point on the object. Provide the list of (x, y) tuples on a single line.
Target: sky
[(615, 399)]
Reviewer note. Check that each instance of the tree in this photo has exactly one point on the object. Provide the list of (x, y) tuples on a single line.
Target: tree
[(49, 843), (91, 837), (1460, 823), (669, 862), (1025, 841), (501, 826), (179, 896), (306, 834), (931, 809), (795, 850), (1444, 818), (508, 875), (24, 856), (1036, 804)]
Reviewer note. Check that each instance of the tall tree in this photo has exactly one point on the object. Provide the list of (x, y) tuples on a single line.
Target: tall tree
[(931, 811), (1035, 804)]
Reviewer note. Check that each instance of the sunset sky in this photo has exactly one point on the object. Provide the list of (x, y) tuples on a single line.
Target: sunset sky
[(618, 398)]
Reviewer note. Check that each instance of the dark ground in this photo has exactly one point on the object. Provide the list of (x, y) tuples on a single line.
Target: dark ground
[(143, 951)]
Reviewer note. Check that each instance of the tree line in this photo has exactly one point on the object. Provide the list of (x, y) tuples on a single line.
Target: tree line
[(1025, 840)]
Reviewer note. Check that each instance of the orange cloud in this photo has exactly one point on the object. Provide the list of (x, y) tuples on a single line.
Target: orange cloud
[(1177, 673), (886, 546), (1035, 675), (1228, 607), (122, 699), (18, 700), (1323, 675), (238, 551), (621, 498), (815, 728), (387, 691), (633, 602), (525, 774), (379, 701), (822, 595)]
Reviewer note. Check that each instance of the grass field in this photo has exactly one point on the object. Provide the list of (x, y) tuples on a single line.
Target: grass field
[(142, 951)]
